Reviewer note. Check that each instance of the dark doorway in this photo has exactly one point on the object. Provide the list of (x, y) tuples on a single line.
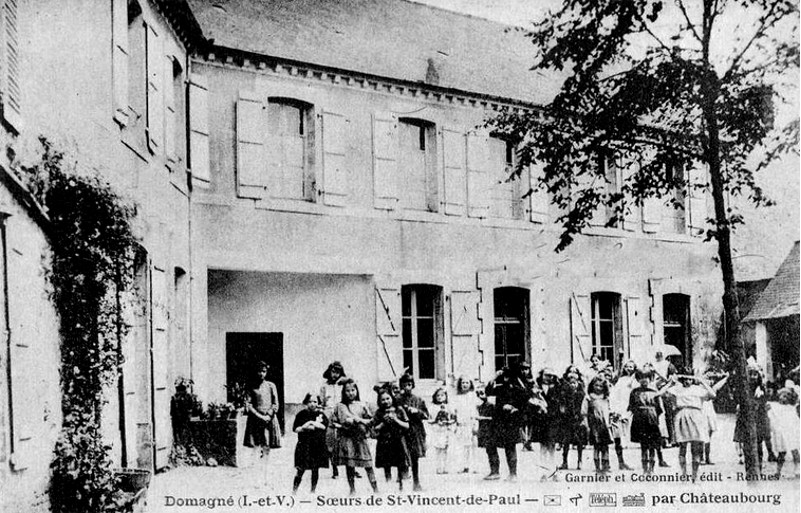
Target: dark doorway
[(244, 350)]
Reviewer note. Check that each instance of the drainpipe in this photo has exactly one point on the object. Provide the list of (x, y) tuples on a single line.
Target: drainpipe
[(7, 329)]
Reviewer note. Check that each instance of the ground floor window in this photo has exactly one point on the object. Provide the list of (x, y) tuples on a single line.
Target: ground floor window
[(676, 324), (511, 306), (607, 325), (422, 329)]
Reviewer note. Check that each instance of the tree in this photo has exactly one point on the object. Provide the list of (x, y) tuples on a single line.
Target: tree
[(665, 88)]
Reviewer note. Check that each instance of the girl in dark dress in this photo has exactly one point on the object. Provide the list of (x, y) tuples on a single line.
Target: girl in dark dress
[(416, 436), (545, 427), (511, 396), (572, 415), (310, 452), (598, 422), (645, 408), (391, 425), (261, 404), (759, 392)]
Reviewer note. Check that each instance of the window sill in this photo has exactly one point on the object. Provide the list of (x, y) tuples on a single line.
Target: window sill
[(290, 205), (499, 222)]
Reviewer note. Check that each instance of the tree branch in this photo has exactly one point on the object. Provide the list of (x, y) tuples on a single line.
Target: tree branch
[(764, 25), (690, 24)]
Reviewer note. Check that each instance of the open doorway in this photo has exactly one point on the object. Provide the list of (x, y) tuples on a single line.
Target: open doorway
[(244, 350)]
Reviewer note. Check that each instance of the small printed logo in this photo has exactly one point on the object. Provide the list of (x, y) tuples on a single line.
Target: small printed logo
[(603, 500), (634, 501), (575, 500), (552, 500)]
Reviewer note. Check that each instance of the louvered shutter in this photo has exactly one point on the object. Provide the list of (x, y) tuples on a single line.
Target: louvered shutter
[(251, 127), (636, 318), (581, 327), (478, 175), (160, 353), (388, 322), (454, 174), (155, 90), (12, 92), (385, 160), (697, 203), (335, 174), (199, 130), (538, 199), (120, 59)]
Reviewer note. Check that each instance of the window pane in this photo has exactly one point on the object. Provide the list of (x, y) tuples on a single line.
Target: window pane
[(425, 303), (514, 339), (425, 333), (604, 308), (407, 333), (607, 334), (406, 301), (426, 363), (407, 360), (500, 339)]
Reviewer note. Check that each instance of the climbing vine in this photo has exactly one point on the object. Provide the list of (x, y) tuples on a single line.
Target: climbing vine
[(92, 265)]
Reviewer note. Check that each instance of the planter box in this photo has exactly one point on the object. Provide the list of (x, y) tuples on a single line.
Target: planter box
[(219, 439)]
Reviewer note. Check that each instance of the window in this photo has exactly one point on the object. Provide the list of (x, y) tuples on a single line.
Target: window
[(674, 219), (421, 307), (612, 179), (607, 326), (506, 200), (290, 127), (511, 325), (418, 179), (175, 129), (137, 74), (676, 323)]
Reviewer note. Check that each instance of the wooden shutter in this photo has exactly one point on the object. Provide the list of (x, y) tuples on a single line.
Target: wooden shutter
[(250, 134), (388, 323), (478, 175), (581, 328), (335, 175), (385, 160), (697, 204), (465, 328), (199, 130), (589, 181), (155, 90), (628, 168), (538, 200), (454, 173), (26, 408), (119, 63), (170, 116), (12, 91), (160, 354), (635, 319)]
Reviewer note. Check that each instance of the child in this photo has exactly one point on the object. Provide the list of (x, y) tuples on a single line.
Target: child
[(484, 418), (261, 405), (352, 419), (784, 428), (762, 424), (416, 436), (711, 417), (464, 405), (545, 428), (690, 427), (619, 417), (511, 397), (330, 393), (390, 425), (310, 453), (598, 422), (442, 425), (645, 409), (572, 415)]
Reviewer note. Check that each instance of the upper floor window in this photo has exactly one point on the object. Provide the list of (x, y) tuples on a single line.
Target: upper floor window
[(417, 170), (607, 325), (290, 128), (505, 195), (137, 72), (421, 308)]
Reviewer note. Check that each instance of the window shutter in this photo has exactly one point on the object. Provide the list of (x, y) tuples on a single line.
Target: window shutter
[(385, 160), (169, 111), (155, 94), (251, 127), (12, 92), (580, 328), (628, 168), (388, 322), (160, 355), (335, 175), (199, 130), (119, 34), (589, 180), (464, 327), (538, 198), (698, 209), (635, 318), (478, 179), (454, 174)]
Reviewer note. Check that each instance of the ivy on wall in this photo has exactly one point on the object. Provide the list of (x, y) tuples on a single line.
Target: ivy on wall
[(92, 266)]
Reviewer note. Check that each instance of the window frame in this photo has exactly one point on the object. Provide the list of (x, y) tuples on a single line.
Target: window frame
[(513, 187), (435, 294), (673, 301), (598, 347), (427, 144), (308, 135), (517, 295)]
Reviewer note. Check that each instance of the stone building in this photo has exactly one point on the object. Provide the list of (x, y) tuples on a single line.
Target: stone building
[(313, 184)]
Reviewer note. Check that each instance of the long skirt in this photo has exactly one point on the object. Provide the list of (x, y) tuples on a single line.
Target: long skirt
[(690, 425)]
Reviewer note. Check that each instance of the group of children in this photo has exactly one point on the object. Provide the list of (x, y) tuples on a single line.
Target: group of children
[(335, 424)]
